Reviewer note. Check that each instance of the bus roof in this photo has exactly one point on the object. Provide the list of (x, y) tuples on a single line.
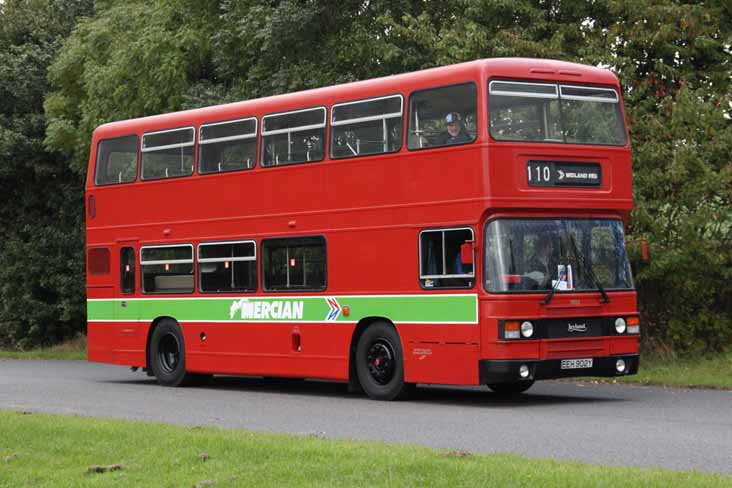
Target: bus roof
[(512, 68)]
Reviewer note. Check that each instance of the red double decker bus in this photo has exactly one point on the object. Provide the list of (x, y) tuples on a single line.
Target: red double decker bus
[(460, 225)]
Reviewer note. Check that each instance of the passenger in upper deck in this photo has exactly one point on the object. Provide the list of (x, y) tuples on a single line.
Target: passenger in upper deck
[(455, 133)]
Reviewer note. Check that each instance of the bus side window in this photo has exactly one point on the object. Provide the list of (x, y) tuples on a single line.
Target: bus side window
[(116, 161), (294, 263), (227, 146), (127, 270), (432, 111), (168, 153), (366, 127), (293, 137), (441, 265), (227, 266), (167, 269)]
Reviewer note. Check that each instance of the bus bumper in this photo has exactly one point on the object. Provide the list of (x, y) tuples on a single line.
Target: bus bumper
[(505, 371)]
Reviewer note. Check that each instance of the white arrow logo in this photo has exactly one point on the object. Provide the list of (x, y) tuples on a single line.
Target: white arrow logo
[(561, 174)]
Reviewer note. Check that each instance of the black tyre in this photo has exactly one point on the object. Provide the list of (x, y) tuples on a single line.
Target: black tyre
[(512, 388), (380, 363), (167, 357)]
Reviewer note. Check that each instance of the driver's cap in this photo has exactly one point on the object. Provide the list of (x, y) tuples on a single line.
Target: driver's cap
[(452, 117)]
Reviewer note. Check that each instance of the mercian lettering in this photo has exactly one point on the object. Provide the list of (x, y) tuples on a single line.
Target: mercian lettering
[(266, 310)]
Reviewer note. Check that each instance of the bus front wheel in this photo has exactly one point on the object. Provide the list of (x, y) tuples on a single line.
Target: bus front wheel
[(380, 363), (167, 354)]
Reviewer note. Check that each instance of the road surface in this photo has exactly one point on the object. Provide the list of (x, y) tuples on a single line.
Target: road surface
[(595, 423)]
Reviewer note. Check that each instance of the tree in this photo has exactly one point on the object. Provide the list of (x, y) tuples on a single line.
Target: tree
[(41, 287), (131, 59), (675, 62), (673, 58)]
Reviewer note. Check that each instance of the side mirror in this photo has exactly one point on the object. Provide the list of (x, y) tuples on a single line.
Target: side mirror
[(638, 250), (466, 252)]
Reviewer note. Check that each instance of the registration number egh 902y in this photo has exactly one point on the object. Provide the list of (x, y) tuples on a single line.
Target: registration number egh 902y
[(576, 363)]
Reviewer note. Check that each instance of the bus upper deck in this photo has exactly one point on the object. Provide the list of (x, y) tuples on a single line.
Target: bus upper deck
[(531, 143)]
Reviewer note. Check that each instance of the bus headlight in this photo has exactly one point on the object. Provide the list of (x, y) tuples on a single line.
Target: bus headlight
[(620, 325), (527, 329), (633, 325)]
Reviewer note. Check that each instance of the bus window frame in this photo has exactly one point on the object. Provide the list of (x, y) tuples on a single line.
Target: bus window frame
[(173, 261), (200, 260), (202, 142), (558, 97), (558, 216), (477, 116), (421, 277), (263, 134), (294, 290), (138, 162), (333, 124), (169, 146)]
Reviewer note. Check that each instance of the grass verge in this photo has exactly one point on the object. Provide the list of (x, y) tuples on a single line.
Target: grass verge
[(74, 349), (43, 450), (702, 372)]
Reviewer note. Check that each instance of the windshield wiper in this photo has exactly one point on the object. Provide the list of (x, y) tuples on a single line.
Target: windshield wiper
[(512, 269), (588, 269), (550, 295)]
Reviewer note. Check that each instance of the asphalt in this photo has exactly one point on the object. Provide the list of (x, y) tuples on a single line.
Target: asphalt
[(596, 423)]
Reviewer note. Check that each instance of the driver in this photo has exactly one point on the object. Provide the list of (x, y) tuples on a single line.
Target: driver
[(542, 262)]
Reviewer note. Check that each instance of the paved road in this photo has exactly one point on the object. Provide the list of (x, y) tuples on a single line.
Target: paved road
[(606, 424)]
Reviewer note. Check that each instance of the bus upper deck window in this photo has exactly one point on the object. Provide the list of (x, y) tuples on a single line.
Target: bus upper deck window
[(547, 112), (227, 146), (443, 116), (116, 160), (168, 153), (293, 137), (366, 127)]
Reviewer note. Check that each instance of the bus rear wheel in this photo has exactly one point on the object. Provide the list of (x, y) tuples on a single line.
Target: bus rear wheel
[(167, 354), (380, 363), (511, 388)]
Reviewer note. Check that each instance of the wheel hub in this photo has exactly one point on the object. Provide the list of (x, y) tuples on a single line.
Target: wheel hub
[(380, 361)]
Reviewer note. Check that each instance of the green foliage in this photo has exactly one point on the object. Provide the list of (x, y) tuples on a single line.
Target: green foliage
[(675, 62), (41, 250), (136, 58), (131, 59)]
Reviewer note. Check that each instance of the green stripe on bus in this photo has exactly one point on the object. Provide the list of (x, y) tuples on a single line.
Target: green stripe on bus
[(399, 308)]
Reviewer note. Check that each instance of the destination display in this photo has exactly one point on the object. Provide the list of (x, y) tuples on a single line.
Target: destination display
[(562, 173)]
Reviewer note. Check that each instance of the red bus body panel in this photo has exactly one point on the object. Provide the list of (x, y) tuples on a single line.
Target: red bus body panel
[(370, 210)]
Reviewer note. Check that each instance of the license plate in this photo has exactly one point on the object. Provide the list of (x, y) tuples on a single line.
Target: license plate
[(576, 363)]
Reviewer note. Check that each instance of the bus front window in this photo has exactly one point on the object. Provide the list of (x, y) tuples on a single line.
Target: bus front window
[(525, 255), (567, 114)]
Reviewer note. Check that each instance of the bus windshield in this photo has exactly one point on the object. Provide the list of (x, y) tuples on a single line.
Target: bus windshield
[(523, 255), (566, 114)]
